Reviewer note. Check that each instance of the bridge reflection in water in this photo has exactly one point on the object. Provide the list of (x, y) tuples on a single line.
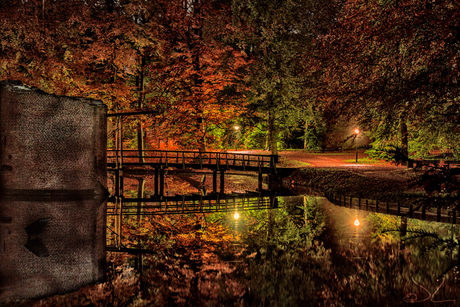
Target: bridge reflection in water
[(420, 211), (155, 165)]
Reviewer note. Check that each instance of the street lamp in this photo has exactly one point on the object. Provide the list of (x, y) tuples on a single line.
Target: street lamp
[(236, 215), (356, 131), (356, 222)]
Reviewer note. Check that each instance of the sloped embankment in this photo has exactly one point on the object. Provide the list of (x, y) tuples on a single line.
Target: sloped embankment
[(385, 185)]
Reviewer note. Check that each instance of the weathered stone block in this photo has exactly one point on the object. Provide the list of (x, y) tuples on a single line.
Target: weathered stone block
[(53, 189)]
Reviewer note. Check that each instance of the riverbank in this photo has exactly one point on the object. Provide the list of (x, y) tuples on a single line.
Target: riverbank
[(335, 173)]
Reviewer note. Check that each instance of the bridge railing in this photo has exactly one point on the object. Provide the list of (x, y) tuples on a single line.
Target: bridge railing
[(196, 158), (435, 214), (430, 163)]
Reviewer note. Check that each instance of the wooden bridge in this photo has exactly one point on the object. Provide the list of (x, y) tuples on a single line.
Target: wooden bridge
[(129, 163), (220, 161), (120, 161)]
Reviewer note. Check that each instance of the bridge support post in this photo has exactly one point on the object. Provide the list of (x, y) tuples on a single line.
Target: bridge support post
[(117, 182), (140, 194), (260, 181), (156, 181), (121, 183), (214, 181), (162, 181), (222, 182)]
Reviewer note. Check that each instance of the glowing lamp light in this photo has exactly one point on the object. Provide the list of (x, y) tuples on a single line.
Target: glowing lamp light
[(236, 216), (356, 222), (356, 131), (237, 127)]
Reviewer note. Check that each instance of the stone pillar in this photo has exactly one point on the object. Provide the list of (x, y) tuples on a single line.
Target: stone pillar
[(53, 189)]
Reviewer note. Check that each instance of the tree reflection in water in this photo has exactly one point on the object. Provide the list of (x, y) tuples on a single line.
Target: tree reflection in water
[(319, 257)]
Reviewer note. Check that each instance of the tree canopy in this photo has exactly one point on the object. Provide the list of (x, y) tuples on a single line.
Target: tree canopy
[(393, 63), (288, 67)]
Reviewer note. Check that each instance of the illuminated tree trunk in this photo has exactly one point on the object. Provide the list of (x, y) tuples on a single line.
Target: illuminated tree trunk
[(305, 135)]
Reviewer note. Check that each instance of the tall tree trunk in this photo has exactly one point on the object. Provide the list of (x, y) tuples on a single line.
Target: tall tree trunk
[(305, 133), (404, 139), (271, 137), (140, 131)]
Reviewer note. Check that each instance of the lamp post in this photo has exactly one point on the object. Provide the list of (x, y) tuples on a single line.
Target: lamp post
[(236, 137), (356, 131)]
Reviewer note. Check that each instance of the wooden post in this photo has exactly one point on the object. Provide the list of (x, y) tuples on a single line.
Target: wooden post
[(156, 181), (438, 215), (222, 182), (140, 194), (162, 181), (183, 160), (367, 204), (423, 212), (117, 182), (359, 203), (260, 179), (377, 205), (214, 181), (120, 222), (121, 142), (399, 209), (388, 207), (121, 183), (411, 211)]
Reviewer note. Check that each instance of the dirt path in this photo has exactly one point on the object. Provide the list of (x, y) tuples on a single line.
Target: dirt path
[(346, 161)]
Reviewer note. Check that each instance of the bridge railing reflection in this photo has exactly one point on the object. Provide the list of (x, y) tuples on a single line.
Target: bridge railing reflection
[(120, 210)]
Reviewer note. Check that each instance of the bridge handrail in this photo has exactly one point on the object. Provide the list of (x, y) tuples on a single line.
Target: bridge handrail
[(191, 151), (185, 157)]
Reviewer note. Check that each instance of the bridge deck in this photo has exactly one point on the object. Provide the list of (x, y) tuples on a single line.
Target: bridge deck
[(194, 159)]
